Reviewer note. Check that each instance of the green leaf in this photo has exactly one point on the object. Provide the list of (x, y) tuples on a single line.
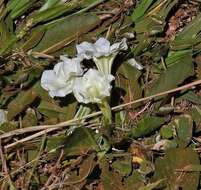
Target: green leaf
[(189, 36), (50, 3), (21, 102), (124, 167), (52, 110), (128, 83), (195, 113), (85, 170), (173, 76), (170, 168), (135, 181), (191, 96), (80, 141), (53, 143), (33, 38), (184, 127), (140, 10), (146, 126), (167, 131), (67, 32), (19, 7), (109, 179), (155, 20), (151, 186)]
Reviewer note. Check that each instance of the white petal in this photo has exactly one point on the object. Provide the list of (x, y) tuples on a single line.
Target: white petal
[(135, 64), (59, 70), (85, 50), (62, 92), (3, 117), (64, 58), (59, 81), (79, 91), (102, 46), (119, 46), (92, 87), (49, 81), (68, 68)]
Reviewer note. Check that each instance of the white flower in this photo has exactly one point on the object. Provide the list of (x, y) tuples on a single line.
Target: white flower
[(93, 87), (101, 52), (59, 81), (3, 117)]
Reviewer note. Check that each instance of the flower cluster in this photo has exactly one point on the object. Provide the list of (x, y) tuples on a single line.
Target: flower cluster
[(92, 86)]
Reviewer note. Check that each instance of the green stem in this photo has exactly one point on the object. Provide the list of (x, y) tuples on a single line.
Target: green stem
[(107, 114)]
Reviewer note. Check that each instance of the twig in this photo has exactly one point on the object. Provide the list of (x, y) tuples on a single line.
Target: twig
[(30, 137), (34, 128), (49, 128), (4, 167), (49, 180), (26, 165), (36, 162)]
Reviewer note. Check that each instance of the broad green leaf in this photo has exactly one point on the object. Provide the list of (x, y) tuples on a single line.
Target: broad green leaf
[(85, 169), (49, 3), (135, 181), (184, 127), (109, 179), (52, 110), (53, 12), (151, 186), (53, 143), (154, 21), (67, 32), (167, 131), (128, 86), (146, 126), (19, 7), (174, 56), (140, 10), (21, 102), (80, 141), (124, 167), (191, 96), (33, 38), (189, 35), (195, 113), (173, 76), (168, 168)]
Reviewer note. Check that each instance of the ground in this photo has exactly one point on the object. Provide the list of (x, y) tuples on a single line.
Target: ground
[(145, 135)]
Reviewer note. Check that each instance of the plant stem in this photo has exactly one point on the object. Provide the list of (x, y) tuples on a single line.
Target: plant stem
[(107, 114)]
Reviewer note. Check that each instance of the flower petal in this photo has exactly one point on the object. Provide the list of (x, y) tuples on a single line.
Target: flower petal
[(93, 87), (122, 45), (49, 81), (68, 68), (102, 46), (135, 64), (59, 81), (85, 50), (62, 92), (79, 92)]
